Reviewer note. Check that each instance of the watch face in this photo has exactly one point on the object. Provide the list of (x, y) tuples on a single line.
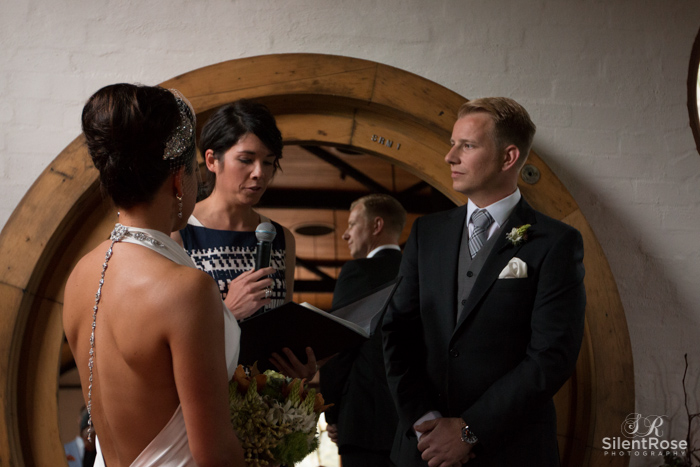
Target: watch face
[(468, 436)]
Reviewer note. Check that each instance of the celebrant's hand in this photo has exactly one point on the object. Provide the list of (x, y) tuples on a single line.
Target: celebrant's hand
[(332, 432), (290, 365), (441, 444), (247, 293)]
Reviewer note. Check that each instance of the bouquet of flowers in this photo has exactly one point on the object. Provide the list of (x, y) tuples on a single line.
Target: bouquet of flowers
[(275, 417)]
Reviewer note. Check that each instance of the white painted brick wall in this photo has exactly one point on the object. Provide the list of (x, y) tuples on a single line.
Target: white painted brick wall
[(605, 82)]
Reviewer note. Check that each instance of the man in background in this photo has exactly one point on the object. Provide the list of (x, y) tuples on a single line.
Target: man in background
[(363, 420), (81, 452)]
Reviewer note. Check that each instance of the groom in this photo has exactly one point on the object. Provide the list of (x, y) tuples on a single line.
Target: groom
[(487, 322)]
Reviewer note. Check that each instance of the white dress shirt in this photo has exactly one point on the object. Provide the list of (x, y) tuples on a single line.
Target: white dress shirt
[(383, 247), (500, 211)]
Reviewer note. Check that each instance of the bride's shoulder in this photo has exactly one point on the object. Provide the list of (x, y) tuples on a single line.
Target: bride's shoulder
[(80, 288), (87, 265), (191, 307), (190, 289)]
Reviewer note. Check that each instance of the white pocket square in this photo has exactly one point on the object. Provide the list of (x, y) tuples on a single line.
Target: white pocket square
[(516, 269)]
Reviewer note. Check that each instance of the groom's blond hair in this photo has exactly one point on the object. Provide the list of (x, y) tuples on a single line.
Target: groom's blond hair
[(511, 122)]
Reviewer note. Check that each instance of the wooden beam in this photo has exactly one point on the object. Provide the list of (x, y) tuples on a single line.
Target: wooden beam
[(340, 200), (309, 266), (346, 169), (306, 286)]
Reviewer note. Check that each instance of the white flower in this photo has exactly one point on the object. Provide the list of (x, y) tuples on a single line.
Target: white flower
[(518, 235)]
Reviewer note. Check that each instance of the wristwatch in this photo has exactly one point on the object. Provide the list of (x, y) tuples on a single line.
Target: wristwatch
[(468, 435)]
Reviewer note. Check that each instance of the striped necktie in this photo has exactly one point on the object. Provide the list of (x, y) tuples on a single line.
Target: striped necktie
[(481, 219)]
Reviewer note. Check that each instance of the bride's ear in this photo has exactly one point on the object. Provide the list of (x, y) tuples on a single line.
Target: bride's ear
[(178, 181)]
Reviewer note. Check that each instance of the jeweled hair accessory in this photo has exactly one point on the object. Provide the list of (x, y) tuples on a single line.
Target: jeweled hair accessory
[(182, 139)]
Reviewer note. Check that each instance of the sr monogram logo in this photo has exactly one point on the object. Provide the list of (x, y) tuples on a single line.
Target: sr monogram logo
[(646, 438), (637, 426)]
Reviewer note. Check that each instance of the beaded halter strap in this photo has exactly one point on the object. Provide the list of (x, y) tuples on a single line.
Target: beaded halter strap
[(118, 234)]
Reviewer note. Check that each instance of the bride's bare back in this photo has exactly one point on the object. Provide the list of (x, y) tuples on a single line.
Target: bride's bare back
[(154, 346)]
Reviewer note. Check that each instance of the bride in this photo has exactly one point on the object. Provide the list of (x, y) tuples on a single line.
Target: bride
[(154, 345)]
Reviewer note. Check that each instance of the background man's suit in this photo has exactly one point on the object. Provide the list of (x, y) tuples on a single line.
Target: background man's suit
[(356, 380), (515, 344)]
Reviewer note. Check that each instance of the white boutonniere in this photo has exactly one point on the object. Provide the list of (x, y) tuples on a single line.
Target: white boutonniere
[(518, 235)]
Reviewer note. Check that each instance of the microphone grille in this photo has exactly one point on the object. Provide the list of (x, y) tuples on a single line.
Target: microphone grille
[(265, 232)]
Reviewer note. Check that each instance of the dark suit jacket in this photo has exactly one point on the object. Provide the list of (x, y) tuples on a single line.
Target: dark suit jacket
[(355, 380), (515, 345)]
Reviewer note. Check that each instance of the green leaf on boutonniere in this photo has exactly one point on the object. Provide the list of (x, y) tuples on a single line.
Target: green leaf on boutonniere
[(518, 235)]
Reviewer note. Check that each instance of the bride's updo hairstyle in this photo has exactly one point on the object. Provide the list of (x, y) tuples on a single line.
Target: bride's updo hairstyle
[(136, 136)]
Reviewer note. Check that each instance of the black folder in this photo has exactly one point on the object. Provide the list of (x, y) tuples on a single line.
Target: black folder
[(298, 326)]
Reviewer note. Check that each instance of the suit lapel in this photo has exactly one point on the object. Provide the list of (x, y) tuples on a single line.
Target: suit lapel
[(501, 253), (448, 239)]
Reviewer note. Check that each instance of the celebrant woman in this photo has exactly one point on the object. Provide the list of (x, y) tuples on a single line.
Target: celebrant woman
[(153, 342), (242, 146)]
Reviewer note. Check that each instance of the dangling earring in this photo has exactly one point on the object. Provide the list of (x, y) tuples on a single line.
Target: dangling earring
[(179, 206)]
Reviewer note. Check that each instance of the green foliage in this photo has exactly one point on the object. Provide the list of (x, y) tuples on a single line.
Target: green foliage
[(273, 388), (294, 448)]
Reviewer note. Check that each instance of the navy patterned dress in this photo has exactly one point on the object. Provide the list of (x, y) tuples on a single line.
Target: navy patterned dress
[(226, 254)]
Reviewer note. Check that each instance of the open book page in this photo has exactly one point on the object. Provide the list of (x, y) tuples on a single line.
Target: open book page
[(366, 311), (297, 327), (358, 328)]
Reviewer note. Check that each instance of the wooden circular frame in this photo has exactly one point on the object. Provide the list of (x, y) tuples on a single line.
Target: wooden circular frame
[(317, 99)]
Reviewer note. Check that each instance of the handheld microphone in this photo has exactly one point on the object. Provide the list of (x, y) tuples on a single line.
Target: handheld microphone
[(265, 233)]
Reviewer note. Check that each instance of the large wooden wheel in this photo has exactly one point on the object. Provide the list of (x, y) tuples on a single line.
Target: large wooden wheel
[(317, 99)]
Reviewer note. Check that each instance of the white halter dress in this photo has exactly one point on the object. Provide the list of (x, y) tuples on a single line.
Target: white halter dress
[(170, 447)]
